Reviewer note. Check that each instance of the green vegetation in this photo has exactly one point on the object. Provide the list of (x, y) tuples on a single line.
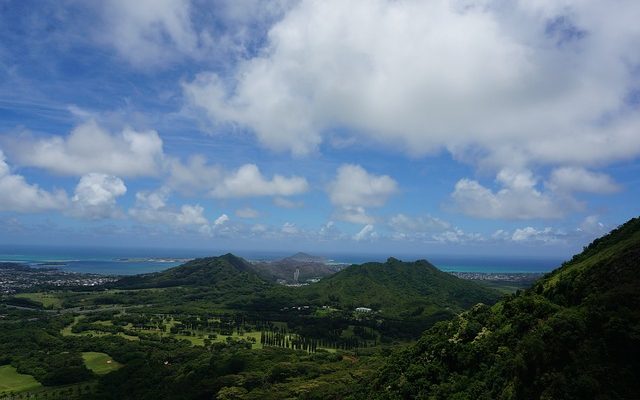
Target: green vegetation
[(46, 299), (12, 381), (100, 363), (396, 288), (212, 328), (574, 335)]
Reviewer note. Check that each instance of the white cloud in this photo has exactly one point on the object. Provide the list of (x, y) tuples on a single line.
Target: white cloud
[(574, 179), (221, 220), (329, 231), (95, 196), (414, 75), (289, 228), (592, 225), (411, 225), (151, 207), (354, 186), (428, 229), (197, 176), (194, 176), (156, 33), (149, 32), (16, 194), (91, 149), (247, 212), (248, 181), (353, 214), (517, 199), (530, 234), (366, 233), (457, 235)]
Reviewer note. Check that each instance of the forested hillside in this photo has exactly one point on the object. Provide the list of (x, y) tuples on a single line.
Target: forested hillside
[(574, 335), (400, 289)]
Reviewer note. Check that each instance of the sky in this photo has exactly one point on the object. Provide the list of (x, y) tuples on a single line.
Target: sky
[(401, 127)]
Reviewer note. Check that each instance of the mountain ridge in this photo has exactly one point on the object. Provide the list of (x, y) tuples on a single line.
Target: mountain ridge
[(400, 288), (575, 334)]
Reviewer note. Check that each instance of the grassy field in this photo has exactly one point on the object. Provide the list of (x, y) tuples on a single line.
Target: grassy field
[(48, 300), (197, 340), (100, 363), (67, 330), (12, 381)]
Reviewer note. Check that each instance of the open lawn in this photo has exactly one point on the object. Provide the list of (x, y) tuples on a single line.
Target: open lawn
[(67, 330), (12, 381), (48, 300), (199, 339), (100, 363)]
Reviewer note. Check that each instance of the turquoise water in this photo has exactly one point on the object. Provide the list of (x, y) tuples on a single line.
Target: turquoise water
[(126, 261)]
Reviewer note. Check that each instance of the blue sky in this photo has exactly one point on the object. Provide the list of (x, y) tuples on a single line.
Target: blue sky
[(399, 127)]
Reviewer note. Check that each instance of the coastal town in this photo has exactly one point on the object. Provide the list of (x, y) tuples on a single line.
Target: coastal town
[(18, 277)]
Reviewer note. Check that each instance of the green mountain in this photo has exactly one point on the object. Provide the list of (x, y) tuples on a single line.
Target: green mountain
[(223, 272), (399, 289), (574, 335)]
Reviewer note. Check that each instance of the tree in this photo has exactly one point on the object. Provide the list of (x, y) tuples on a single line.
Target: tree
[(231, 393)]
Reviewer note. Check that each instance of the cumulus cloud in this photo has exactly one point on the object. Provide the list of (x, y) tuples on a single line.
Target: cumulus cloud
[(197, 176), (95, 196), (221, 220), (518, 198), (366, 233), (193, 176), (89, 148), (353, 214), (330, 231), (152, 207), (574, 179), (590, 228), (16, 194), (354, 186), (529, 234), (414, 75), (248, 181)]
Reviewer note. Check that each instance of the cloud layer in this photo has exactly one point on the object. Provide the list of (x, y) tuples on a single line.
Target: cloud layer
[(16, 194), (354, 188), (415, 75), (90, 148), (95, 196)]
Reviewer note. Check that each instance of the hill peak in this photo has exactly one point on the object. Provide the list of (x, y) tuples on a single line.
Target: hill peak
[(305, 257)]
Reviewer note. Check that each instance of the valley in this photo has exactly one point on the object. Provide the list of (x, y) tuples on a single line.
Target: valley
[(214, 326)]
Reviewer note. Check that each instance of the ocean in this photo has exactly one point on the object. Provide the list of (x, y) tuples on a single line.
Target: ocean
[(131, 261)]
